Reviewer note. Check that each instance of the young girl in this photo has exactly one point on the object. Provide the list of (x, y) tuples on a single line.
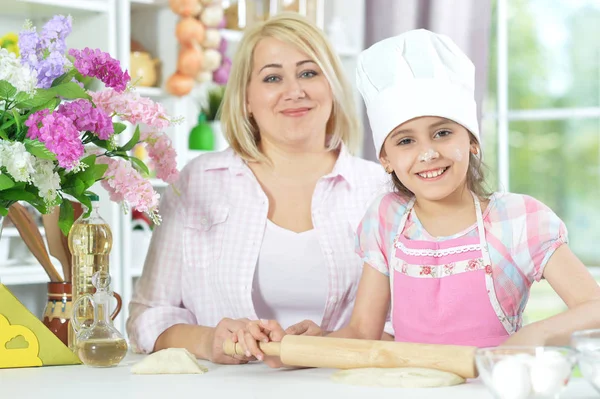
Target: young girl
[(449, 262)]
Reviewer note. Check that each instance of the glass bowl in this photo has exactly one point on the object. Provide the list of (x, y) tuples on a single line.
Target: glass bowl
[(587, 344), (523, 372)]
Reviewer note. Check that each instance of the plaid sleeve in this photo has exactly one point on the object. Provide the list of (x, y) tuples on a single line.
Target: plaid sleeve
[(543, 233), (376, 231), (157, 302)]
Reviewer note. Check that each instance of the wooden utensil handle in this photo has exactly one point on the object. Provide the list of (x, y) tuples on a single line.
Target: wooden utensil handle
[(343, 353), (270, 348)]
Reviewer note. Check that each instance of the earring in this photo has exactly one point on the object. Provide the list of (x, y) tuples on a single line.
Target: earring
[(475, 150), (388, 170)]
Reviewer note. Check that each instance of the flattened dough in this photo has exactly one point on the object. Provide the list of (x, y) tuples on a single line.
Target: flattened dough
[(407, 377), (169, 361)]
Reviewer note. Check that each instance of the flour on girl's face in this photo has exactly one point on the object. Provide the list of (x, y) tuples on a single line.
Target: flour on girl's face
[(458, 155), (428, 155)]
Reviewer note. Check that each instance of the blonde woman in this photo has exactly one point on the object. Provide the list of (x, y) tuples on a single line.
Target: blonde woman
[(266, 228)]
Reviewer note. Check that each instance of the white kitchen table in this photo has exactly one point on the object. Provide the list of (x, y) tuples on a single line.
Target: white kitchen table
[(243, 382)]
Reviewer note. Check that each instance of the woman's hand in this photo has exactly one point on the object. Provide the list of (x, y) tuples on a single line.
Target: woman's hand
[(271, 331), (219, 335)]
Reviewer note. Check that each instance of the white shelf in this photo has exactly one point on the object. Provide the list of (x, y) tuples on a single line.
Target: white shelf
[(52, 7), (232, 35), (23, 274), (155, 93), (141, 4)]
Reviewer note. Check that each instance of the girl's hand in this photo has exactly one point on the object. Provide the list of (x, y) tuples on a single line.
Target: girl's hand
[(306, 327)]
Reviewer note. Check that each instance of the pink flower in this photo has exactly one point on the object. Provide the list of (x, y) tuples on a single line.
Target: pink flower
[(130, 106), (125, 184), (87, 118), (163, 156), (488, 269), (102, 66), (425, 270), (59, 135)]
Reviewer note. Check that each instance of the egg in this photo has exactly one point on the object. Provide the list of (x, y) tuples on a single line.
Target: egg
[(550, 372), (510, 379)]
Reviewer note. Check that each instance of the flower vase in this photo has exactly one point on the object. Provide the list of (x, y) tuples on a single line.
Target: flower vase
[(59, 309), (202, 136)]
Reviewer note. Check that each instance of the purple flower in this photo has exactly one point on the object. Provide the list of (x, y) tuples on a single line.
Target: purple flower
[(59, 135), (28, 46), (50, 68), (87, 118), (45, 53), (55, 32), (100, 65)]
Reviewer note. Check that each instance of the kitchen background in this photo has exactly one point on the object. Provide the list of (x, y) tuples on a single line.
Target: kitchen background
[(538, 82)]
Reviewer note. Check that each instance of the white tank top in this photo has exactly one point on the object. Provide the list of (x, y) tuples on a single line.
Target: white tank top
[(290, 282)]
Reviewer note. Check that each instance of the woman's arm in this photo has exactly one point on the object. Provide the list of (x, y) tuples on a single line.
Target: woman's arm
[(158, 318), (203, 342), (575, 285), (370, 308)]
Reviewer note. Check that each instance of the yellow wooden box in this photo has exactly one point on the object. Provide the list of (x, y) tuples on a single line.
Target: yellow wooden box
[(24, 340)]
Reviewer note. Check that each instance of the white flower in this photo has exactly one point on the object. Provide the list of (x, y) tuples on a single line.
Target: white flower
[(17, 161), (46, 180), (22, 77)]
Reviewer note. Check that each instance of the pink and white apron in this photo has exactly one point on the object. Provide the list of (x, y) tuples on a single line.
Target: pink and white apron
[(443, 291)]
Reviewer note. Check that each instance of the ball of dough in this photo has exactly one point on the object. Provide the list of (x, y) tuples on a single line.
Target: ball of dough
[(169, 361), (406, 377)]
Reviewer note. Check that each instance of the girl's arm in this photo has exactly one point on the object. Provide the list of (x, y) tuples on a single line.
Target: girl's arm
[(370, 308), (575, 285)]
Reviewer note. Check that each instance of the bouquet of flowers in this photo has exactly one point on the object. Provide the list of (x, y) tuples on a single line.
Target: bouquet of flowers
[(57, 139)]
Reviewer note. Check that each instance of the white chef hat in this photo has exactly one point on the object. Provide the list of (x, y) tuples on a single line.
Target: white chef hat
[(418, 73)]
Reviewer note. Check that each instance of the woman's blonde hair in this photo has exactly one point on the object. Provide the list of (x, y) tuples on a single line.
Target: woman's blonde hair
[(240, 131)]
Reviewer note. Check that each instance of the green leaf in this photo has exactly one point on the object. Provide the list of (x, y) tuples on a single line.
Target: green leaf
[(22, 96), (140, 166), (3, 211), (66, 217), (7, 90), (77, 188), (17, 117), (38, 149), (65, 77), (18, 194), (119, 127), (99, 171), (7, 124), (134, 140), (41, 98), (70, 91), (6, 182), (3, 135), (86, 202), (88, 173)]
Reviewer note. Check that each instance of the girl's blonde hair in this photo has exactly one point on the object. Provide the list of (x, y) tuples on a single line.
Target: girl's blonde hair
[(240, 131)]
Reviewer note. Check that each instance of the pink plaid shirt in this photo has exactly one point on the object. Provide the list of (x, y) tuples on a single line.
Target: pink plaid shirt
[(201, 261)]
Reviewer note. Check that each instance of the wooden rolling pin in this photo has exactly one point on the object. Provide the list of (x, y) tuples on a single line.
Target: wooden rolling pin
[(343, 353)]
